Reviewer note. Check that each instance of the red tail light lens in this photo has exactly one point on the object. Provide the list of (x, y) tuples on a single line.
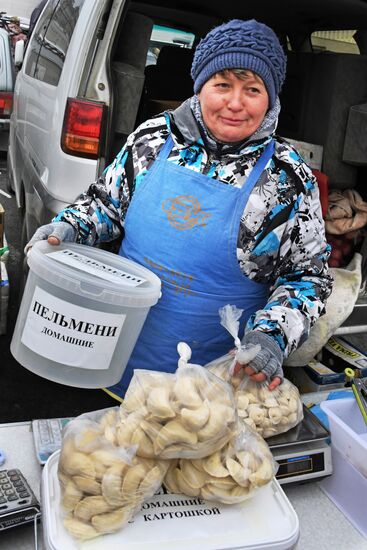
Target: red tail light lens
[(6, 104), (82, 128)]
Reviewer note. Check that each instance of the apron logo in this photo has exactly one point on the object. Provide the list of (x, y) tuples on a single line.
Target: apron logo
[(184, 212)]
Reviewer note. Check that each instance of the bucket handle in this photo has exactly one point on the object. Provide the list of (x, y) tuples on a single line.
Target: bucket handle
[(87, 289)]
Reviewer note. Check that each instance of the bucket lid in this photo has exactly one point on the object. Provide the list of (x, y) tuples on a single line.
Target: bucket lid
[(95, 273)]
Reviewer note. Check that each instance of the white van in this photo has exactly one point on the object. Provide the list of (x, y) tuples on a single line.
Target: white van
[(93, 70), (77, 98)]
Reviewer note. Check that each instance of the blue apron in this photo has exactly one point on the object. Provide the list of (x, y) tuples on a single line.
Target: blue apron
[(183, 226)]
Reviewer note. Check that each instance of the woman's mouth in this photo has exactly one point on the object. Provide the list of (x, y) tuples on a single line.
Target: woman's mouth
[(233, 121)]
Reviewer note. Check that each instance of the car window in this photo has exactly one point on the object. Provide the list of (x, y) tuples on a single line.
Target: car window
[(335, 41), (167, 35), (51, 38)]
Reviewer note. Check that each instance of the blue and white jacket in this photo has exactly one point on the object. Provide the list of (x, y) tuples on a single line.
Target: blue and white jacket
[(281, 238)]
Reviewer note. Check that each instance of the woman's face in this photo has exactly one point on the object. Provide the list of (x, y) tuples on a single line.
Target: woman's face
[(233, 108)]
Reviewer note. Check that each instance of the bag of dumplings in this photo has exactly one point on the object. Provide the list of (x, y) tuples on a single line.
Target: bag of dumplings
[(269, 412), (223, 367), (103, 483), (188, 414), (230, 475)]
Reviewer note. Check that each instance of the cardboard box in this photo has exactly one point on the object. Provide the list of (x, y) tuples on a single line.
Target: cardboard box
[(310, 152), (338, 354), (328, 373), (300, 377)]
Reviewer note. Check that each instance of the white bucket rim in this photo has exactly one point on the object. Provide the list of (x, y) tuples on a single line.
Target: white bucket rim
[(81, 283)]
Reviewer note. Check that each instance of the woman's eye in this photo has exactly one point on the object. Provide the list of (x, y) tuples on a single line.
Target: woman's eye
[(254, 90)]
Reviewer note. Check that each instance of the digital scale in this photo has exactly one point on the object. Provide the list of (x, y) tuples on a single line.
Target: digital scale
[(302, 453)]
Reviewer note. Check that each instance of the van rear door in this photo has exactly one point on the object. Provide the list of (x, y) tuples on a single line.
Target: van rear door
[(6, 87), (52, 72)]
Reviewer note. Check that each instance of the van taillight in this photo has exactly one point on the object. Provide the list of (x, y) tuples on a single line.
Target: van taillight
[(82, 127), (6, 104)]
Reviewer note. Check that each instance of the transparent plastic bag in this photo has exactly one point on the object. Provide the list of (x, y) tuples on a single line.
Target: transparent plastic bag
[(223, 367), (230, 475), (188, 414), (269, 412), (103, 483)]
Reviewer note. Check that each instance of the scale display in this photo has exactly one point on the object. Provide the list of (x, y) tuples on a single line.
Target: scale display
[(300, 465), (302, 453)]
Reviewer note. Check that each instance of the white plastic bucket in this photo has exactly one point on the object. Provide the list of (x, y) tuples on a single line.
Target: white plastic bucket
[(81, 313)]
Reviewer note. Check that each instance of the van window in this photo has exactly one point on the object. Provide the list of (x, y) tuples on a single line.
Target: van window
[(51, 39), (167, 35), (334, 41)]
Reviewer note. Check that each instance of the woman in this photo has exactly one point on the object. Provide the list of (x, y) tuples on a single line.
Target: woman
[(222, 210)]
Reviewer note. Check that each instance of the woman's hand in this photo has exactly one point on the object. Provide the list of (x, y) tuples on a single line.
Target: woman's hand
[(267, 364), (54, 233), (257, 376)]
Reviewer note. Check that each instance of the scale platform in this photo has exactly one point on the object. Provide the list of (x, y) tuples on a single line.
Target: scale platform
[(303, 453)]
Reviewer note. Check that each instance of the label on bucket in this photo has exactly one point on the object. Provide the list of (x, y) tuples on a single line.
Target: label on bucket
[(96, 268), (72, 335)]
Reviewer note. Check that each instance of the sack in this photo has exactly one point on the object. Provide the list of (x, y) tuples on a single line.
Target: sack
[(340, 304), (103, 484), (347, 212), (269, 412), (188, 414), (230, 475)]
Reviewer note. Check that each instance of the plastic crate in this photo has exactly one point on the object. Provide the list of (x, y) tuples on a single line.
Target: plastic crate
[(348, 431), (347, 488)]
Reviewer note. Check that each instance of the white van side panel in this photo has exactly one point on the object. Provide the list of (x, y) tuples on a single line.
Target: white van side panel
[(47, 176)]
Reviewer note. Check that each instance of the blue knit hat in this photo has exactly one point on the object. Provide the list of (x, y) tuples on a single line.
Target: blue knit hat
[(241, 45)]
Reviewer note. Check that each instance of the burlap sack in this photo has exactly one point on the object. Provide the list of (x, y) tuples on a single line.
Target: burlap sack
[(340, 304), (347, 212)]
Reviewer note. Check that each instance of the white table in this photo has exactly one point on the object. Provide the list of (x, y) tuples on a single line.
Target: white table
[(322, 525)]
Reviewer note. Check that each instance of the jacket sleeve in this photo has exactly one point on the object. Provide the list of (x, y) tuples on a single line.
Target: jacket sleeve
[(302, 281), (98, 214)]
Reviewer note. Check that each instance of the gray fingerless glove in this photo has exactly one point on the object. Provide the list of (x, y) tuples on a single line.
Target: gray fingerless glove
[(62, 230), (269, 360)]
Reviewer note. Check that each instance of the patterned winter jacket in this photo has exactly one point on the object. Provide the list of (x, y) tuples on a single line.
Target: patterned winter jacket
[(281, 238)]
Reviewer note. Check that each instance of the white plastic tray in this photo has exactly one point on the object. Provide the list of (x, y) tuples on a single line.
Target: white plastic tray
[(167, 521)]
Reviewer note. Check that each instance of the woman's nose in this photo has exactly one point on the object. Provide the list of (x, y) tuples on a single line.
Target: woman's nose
[(235, 102)]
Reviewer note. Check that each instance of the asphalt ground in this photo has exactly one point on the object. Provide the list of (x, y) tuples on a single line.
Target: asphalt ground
[(23, 394)]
